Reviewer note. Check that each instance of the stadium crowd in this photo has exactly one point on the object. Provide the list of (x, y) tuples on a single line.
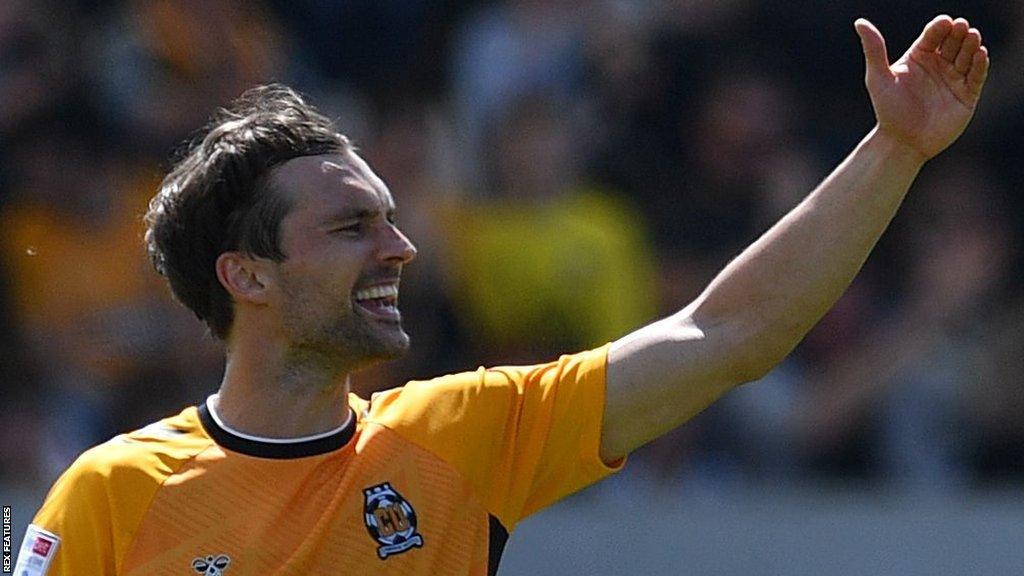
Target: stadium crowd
[(570, 170)]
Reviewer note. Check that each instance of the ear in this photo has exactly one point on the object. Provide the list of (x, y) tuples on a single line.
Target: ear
[(243, 277)]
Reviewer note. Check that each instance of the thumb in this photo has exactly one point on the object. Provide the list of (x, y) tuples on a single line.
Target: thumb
[(875, 56)]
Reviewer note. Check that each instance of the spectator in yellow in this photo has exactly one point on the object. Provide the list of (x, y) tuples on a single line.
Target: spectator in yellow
[(581, 269)]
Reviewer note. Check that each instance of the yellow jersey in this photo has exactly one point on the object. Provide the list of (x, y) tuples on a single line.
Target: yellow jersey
[(426, 479)]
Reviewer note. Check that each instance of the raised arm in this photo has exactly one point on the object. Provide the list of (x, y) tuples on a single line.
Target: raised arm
[(764, 302)]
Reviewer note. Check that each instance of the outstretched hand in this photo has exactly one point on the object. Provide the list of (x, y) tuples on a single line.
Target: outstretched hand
[(926, 98)]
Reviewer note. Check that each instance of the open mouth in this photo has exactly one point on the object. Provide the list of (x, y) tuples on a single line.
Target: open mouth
[(379, 301)]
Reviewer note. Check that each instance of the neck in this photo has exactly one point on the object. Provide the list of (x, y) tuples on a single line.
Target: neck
[(271, 393)]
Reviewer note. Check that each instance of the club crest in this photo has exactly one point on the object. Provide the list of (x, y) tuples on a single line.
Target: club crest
[(390, 520)]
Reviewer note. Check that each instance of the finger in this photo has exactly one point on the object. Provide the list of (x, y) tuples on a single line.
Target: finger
[(951, 44), (934, 33), (979, 70), (875, 56), (966, 55)]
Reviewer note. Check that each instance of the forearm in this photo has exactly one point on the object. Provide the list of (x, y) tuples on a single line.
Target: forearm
[(764, 302), (771, 295)]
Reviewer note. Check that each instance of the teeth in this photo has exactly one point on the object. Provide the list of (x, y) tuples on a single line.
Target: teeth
[(385, 291)]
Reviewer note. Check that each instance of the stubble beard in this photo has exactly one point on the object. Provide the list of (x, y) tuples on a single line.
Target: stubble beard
[(346, 342)]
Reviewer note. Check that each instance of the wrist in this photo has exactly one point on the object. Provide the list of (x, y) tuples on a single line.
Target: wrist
[(894, 148)]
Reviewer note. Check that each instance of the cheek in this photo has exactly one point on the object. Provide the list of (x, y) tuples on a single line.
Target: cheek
[(320, 283), (329, 269)]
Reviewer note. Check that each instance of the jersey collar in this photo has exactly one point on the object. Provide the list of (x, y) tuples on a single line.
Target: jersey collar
[(273, 447)]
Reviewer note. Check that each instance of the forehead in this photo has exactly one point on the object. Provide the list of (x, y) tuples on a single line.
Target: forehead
[(331, 183)]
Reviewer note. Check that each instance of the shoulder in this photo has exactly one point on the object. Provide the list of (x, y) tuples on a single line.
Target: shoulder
[(486, 394), (442, 396), (143, 457), (112, 484), (95, 507), (443, 413)]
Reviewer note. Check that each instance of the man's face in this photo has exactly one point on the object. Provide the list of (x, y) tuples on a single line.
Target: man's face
[(338, 285)]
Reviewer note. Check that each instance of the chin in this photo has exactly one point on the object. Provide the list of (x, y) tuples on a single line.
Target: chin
[(388, 346), (352, 344), (393, 349), (378, 355)]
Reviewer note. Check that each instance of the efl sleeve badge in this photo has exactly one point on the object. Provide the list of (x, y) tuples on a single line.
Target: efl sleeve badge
[(37, 552)]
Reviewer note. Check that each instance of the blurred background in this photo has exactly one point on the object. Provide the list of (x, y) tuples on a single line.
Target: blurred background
[(570, 170)]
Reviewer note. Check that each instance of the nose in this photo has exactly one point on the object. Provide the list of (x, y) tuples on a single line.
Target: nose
[(397, 247)]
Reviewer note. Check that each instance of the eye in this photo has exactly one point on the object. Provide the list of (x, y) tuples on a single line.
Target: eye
[(354, 229)]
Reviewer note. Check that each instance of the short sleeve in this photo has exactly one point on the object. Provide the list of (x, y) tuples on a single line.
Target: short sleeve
[(96, 506), (523, 436), (76, 515)]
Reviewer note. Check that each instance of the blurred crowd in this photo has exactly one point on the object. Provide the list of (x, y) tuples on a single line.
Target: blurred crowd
[(570, 170)]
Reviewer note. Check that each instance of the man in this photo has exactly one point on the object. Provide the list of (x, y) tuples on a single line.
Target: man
[(277, 235)]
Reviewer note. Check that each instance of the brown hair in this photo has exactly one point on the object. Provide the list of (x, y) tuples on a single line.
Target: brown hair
[(217, 197)]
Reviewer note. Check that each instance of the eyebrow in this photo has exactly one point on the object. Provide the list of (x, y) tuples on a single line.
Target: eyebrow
[(357, 213)]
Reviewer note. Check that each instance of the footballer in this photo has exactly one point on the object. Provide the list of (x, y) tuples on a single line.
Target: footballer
[(279, 237)]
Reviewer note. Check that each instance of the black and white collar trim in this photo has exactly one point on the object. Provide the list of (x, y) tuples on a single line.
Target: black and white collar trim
[(278, 448)]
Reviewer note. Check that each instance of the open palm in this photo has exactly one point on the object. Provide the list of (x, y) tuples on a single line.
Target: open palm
[(926, 98)]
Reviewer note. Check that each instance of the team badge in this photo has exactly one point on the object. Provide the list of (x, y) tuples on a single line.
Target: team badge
[(211, 565), (390, 520)]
